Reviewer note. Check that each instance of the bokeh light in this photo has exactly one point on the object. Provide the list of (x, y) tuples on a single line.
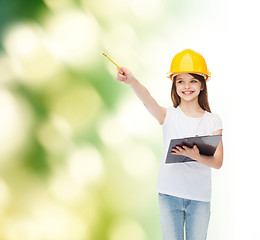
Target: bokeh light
[(127, 229), (30, 57), (14, 125), (4, 196), (73, 36), (55, 134), (79, 163)]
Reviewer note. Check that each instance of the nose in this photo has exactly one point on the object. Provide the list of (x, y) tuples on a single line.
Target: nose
[(187, 85)]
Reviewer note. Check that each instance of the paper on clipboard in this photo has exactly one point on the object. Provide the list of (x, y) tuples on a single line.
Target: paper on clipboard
[(207, 145)]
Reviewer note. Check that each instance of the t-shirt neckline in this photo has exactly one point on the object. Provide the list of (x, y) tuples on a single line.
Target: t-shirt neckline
[(178, 107)]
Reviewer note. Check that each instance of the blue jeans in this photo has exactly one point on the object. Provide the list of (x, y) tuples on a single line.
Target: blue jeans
[(175, 213)]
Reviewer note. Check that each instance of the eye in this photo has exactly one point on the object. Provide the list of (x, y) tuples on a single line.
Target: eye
[(180, 81), (194, 81)]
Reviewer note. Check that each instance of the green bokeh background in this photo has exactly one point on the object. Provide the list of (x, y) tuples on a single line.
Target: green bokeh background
[(79, 154)]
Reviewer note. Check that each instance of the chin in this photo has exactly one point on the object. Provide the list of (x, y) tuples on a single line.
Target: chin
[(189, 98)]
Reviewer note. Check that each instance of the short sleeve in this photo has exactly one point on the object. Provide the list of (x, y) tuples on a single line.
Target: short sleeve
[(167, 116), (217, 123)]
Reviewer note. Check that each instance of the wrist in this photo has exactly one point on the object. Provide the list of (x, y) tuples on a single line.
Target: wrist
[(198, 158), (133, 82)]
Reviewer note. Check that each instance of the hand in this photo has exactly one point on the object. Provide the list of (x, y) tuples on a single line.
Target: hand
[(125, 75), (192, 153)]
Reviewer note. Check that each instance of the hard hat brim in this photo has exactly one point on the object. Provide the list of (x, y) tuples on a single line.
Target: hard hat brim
[(172, 75)]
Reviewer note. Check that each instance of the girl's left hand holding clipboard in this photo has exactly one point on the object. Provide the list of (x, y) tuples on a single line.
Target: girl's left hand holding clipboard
[(192, 153), (215, 161)]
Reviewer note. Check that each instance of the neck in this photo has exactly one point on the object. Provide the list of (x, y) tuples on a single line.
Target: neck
[(191, 108)]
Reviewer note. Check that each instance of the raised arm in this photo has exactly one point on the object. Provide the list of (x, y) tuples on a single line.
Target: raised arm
[(158, 112)]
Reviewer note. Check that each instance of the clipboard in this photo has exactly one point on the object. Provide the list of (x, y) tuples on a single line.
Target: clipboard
[(207, 145)]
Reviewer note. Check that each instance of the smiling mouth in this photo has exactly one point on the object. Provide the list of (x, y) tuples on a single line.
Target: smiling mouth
[(188, 92)]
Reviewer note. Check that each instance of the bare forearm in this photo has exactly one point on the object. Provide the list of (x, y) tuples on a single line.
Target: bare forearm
[(124, 75), (141, 92), (210, 161)]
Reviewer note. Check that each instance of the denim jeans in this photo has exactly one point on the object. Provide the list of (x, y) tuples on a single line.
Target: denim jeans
[(177, 214)]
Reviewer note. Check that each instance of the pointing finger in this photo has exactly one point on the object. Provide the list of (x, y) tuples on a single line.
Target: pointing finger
[(120, 71)]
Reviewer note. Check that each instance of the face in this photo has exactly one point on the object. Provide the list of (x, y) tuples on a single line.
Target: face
[(187, 87)]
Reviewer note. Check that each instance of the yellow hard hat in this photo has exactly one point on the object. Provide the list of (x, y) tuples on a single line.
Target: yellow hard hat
[(189, 61)]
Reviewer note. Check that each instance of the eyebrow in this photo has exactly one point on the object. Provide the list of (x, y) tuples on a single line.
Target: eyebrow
[(193, 78)]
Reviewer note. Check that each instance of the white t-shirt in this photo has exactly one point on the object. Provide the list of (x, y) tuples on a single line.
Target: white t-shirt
[(190, 180)]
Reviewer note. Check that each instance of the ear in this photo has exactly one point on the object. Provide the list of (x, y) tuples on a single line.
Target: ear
[(202, 86)]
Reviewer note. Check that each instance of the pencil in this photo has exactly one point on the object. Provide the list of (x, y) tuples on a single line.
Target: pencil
[(111, 60)]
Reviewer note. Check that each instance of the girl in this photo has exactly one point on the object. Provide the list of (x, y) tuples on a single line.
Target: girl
[(184, 188)]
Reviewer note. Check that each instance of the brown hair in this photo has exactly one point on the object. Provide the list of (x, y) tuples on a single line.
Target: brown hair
[(203, 96)]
